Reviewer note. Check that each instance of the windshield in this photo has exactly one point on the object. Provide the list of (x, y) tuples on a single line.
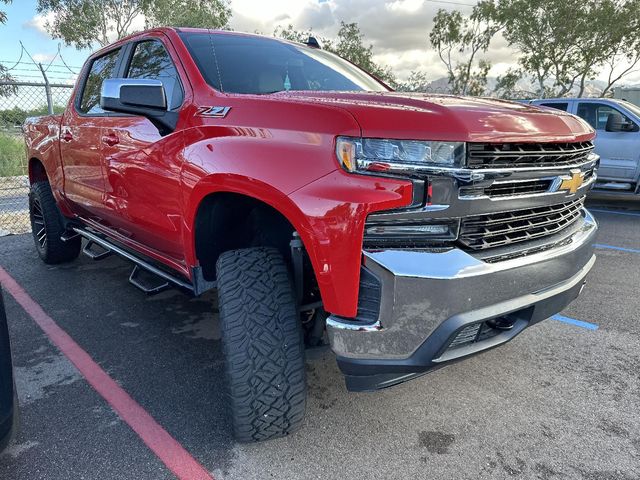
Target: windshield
[(248, 64), (631, 107)]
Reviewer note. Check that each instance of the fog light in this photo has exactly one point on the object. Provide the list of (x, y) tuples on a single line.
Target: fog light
[(408, 230), (409, 235)]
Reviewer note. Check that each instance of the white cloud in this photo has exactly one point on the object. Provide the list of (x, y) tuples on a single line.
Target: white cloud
[(397, 29), (38, 23), (43, 57)]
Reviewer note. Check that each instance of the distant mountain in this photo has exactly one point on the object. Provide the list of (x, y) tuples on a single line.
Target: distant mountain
[(593, 88)]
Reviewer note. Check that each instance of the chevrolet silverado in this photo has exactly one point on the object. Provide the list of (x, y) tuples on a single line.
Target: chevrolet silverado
[(408, 231)]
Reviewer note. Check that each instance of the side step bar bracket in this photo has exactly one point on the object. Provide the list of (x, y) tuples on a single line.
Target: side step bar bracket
[(138, 280), (92, 254), (140, 266)]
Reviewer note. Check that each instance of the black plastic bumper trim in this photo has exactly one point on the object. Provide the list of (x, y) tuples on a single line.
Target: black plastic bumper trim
[(373, 374)]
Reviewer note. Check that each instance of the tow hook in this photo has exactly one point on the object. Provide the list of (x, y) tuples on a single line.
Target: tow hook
[(502, 323)]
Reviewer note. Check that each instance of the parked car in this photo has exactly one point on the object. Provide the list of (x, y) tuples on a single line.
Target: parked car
[(417, 230), (617, 125), (8, 396)]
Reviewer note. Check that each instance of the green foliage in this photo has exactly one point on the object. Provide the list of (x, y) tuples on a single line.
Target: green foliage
[(564, 44), (6, 90), (293, 35), (3, 14), (15, 117), (349, 45), (506, 86), (12, 155), (188, 13), (85, 23), (459, 41), (416, 82)]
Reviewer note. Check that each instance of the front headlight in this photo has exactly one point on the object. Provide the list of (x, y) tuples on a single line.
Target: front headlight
[(383, 155)]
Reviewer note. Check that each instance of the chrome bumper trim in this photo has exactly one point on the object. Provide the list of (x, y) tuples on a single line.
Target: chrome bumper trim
[(422, 289)]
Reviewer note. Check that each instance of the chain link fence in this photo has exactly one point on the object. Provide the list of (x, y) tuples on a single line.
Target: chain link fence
[(22, 99), (19, 101)]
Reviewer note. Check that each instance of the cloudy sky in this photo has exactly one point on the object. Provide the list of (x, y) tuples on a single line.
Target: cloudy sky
[(398, 29)]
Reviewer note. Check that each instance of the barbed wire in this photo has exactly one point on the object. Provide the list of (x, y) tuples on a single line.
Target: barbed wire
[(57, 72)]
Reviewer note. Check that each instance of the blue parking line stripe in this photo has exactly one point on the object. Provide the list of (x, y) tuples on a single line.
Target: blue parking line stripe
[(573, 321), (615, 212), (613, 247)]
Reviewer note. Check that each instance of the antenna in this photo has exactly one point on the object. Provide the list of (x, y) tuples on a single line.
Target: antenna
[(313, 42)]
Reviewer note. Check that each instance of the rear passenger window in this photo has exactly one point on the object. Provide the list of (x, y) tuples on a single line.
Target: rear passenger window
[(101, 69), (557, 105), (152, 61)]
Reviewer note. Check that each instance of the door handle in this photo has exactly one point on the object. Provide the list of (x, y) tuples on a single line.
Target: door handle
[(111, 139), (66, 136)]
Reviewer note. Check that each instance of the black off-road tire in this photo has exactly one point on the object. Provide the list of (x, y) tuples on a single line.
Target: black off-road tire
[(47, 227), (262, 342)]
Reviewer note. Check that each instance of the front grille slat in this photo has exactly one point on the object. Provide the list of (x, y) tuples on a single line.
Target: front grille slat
[(499, 229), (522, 155), (508, 189)]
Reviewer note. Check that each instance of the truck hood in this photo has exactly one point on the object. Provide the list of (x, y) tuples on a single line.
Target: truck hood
[(448, 117)]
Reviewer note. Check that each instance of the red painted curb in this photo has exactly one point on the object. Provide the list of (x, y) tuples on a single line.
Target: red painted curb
[(166, 448)]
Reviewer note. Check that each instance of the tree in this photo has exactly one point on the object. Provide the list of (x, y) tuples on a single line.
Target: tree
[(5, 90), (293, 35), (85, 23), (188, 13), (459, 41), (349, 45), (550, 38), (623, 56), (416, 82), (3, 14), (563, 44), (506, 85)]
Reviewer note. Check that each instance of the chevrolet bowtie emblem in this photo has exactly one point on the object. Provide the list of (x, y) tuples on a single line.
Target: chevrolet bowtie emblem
[(572, 183)]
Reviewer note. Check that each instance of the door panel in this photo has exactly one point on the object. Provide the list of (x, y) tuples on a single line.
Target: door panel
[(142, 168), (619, 151), (142, 191), (619, 155), (81, 160), (80, 140)]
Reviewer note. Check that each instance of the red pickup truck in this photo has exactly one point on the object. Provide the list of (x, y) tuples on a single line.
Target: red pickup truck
[(406, 230)]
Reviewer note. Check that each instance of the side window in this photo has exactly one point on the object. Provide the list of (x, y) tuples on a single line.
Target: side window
[(152, 61), (564, 106), (101, 69), (598, 113)]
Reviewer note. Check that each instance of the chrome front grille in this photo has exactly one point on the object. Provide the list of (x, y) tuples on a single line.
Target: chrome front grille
[(505, 228), (524, 155), (508, 189)]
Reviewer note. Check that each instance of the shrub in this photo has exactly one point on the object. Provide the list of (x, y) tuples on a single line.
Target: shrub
[(12, 155)]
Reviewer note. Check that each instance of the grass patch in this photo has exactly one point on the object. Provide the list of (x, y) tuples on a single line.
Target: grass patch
[(12, 156)]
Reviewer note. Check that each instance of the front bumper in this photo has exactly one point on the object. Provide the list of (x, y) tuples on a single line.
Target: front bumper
[(432, 300)]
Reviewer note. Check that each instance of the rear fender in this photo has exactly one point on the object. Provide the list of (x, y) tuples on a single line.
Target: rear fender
[(42, 139)]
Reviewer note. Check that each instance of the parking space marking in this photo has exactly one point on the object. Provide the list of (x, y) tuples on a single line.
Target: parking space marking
[(615, 212), (166, 448), (573, 321), (613, 247)]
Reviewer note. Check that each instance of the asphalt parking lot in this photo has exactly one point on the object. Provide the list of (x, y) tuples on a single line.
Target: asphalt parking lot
[(561, 401)]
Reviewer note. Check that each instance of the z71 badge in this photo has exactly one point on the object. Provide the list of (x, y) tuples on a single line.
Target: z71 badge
[(217, 112)]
